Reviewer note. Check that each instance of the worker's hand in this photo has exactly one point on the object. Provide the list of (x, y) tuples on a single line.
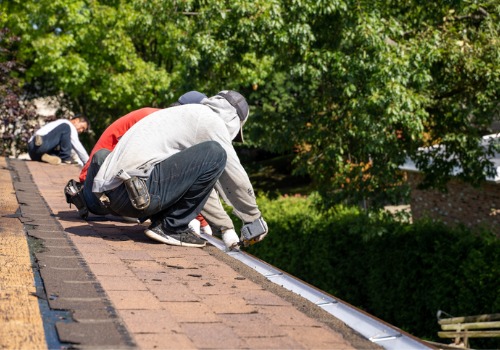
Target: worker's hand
[(230, 239), (254, 232)]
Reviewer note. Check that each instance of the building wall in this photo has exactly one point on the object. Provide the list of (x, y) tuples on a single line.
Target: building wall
[(473, 207)]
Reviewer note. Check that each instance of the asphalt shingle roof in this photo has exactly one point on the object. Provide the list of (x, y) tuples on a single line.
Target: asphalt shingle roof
[(108, 285)]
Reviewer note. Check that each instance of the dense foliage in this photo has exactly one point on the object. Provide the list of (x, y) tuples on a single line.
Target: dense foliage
[(17, 115), (347, 88), (402, 273), (351, 88)]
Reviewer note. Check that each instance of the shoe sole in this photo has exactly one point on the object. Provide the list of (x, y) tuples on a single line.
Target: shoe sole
[(129, 219), (47, 158), (169, 240)]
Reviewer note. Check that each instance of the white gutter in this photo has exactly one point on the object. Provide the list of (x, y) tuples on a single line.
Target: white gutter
[(373, 329)]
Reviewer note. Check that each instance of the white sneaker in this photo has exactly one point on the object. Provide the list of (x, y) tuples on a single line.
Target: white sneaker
[(195, 225), (54, 160), (231, 239)]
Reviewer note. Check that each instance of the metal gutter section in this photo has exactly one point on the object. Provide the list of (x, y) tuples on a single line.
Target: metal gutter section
[(373, 329)]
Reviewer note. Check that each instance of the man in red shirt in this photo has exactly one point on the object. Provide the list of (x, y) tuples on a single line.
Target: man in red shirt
[(110, 137)]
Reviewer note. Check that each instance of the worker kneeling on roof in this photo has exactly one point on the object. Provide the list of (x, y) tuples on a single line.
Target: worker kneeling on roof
[(167, 166)]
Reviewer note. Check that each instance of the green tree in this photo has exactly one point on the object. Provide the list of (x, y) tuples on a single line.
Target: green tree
[(350, 88), (369, 82), (82, 49)]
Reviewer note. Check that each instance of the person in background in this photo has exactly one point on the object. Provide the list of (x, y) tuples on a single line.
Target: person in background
[(55, 142), (166, 167)]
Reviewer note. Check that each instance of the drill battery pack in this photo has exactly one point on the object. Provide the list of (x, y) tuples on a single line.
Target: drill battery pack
[(250, 232)]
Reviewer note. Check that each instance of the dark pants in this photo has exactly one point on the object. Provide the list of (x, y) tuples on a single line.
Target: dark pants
[(56, 143), (93, 203), (179, 186)]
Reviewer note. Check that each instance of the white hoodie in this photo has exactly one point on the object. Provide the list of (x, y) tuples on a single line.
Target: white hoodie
[(168, 131)]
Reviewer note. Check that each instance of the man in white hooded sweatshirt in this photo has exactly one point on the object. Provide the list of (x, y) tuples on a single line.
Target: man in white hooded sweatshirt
[(181, 154)]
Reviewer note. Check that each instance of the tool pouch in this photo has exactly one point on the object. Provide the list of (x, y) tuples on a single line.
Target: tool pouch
[(137, 192), (74, 195)]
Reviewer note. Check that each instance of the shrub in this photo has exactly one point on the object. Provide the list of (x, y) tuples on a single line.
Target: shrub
[(17, 115), (400, 272)]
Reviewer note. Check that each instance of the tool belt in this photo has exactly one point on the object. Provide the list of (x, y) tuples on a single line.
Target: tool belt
[(136, 189), (74, 195)]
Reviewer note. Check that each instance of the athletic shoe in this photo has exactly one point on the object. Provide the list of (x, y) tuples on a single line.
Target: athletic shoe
[(54, 160), (38, 140), (185, 238)]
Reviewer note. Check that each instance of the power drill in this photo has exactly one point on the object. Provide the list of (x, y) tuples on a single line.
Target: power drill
[(252, 231)]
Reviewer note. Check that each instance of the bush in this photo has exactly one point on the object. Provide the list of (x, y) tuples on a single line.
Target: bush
[(400, 272), (18, 117)]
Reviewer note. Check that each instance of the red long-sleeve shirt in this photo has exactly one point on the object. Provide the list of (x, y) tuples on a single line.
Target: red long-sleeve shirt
[(114, 132)]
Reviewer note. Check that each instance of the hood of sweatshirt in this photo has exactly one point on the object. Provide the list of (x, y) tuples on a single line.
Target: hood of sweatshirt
[(226, 112)]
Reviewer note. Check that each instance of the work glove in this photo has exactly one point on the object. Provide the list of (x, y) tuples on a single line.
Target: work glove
[(253, 232), (206, 230), (231, 240), (195, 226), (204, 226)]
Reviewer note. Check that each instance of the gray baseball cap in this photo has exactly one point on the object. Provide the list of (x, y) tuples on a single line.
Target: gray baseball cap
[(239, 102)]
